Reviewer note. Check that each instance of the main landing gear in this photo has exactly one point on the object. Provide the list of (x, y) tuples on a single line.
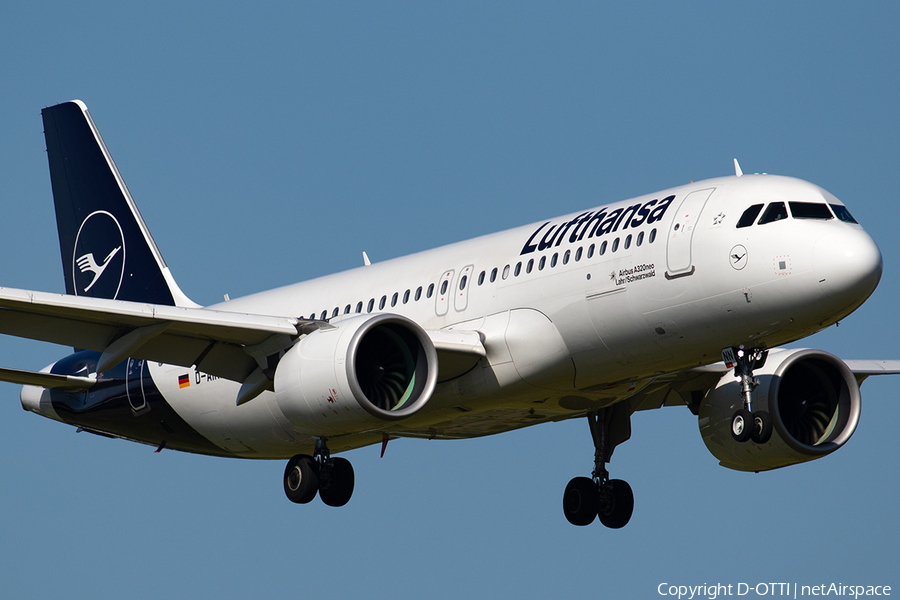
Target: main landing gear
[(745, 424), (306, 475), (612, 500)]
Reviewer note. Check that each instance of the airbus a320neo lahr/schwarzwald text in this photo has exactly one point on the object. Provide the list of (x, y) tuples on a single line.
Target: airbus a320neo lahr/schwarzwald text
[(677, 298)]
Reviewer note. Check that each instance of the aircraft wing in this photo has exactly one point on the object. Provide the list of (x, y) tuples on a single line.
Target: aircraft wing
[(680, 388), (863, 369), (220, 343), (225, 344)]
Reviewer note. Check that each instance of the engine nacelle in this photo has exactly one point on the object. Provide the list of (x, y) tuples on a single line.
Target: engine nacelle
[(364, 371), (814, 402)]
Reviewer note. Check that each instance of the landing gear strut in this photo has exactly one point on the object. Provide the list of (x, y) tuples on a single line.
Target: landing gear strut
[(306, 475), (599, 496), (746, 424)]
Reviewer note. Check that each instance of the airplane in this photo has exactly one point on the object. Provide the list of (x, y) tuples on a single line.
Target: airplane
[(682, 297)]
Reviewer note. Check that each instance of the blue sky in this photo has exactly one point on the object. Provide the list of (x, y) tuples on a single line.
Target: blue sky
[(270, 144)]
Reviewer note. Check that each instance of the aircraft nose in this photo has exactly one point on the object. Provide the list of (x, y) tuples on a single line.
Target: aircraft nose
[(847, 264)]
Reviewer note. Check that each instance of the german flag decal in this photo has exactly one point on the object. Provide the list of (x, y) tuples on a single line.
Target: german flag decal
[(184, 381)]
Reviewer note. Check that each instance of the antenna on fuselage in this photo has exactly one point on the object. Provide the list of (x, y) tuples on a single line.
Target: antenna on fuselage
[(737, 169), (366, 260)]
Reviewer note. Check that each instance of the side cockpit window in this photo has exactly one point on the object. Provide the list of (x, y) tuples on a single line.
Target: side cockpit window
[(776, 211), (841, 212), (810, 210), (749, 216)]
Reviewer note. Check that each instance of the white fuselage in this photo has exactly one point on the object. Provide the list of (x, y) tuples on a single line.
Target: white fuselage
[(574, 312)]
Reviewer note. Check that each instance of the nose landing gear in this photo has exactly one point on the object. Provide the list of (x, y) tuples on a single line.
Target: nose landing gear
[(331, 478), (611, 500), (745, 424)]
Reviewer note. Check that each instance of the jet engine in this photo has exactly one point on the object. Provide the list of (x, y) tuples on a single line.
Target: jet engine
[(813, 400), (356, 374)]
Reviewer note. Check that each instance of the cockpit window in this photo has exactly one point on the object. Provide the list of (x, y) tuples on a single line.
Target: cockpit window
[(809, 210), (749, 216), (774, 212), (841, 212)]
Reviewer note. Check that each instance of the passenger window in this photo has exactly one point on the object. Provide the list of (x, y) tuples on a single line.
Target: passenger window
[(462, 282), (371, 305), (566, 257), (347, 310), (810, 210), (529, 266), (553, 259), (518, 268), (324, 315), (394, 299), (615, 245), (774, 212), (481, 278), (640, 239), (841, 212), (602, 248), (749, 216), (494, 275), (312, 317), (541, 263), (590, 251), (578, 254), (335, 312), (359, 307), (444, 287), (430, 291), (405, 296), (382, 302), (652, 236), (505, 272), (418, 293), (628, 242)]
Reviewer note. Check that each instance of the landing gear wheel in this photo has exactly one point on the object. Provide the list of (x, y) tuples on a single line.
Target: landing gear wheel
[(616, 504), (762, 427), (742, 425), (336, 482), (301, 479), (580, 501)]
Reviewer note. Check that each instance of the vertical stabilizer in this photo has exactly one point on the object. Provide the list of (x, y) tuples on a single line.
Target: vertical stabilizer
[(107, 250)]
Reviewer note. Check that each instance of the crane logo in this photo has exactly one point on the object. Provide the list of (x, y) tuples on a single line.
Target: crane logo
[(98, 259), (738, 257)]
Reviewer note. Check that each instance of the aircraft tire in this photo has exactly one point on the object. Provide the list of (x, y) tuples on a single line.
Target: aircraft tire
[(337, 485), (616, 511), (580, 501), (742, 425), (762, 427), (301, 479)]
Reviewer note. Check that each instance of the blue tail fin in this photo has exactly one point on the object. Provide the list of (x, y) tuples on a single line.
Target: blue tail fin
[(107, 250)]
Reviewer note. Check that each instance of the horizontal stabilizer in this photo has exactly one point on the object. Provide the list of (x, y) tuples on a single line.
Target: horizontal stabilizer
[(65, 383)]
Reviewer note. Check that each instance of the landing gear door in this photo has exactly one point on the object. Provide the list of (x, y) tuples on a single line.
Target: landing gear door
[(678, 246)]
